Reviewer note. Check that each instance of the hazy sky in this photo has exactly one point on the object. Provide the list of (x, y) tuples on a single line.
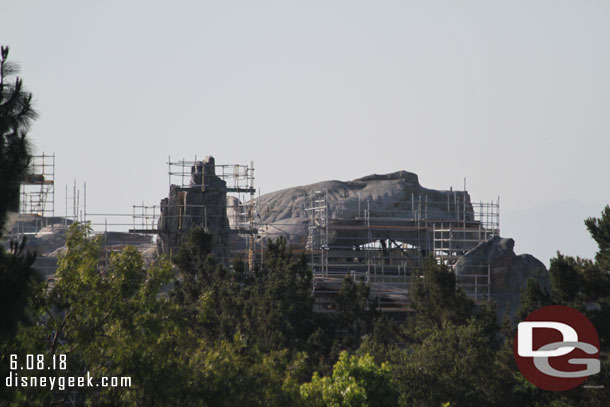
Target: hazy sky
[(513, 95)]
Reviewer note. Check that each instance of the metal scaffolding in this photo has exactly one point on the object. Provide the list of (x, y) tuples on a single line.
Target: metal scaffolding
[(241, 199), (317, 239), (387, 248), (384, 246), (36, 197), (143, 219)]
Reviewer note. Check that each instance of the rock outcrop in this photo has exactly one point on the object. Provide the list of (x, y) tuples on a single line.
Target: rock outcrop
[(203, 203), (398, 194), (509, 272)]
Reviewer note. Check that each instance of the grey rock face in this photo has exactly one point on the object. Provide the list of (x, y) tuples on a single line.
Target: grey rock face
[(509, 272), (389, 195), (203, 203)]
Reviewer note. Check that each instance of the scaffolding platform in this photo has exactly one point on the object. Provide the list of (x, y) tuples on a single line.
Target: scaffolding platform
[(386, 249)]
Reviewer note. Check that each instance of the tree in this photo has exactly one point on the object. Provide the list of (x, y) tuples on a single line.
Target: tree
[(201, 282), (114, 320), (354, 318), (566, 281), (356, 381), (279, 307), (600, 231), (272, 307), (17, 282), (16, 115), (434, 296), (17, 277), (585, 284), (110, 321), (532, 297), (451, 363)]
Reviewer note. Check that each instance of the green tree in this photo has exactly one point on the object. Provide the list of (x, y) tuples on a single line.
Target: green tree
[(108, 320), (566, 280), (209, 296), (585, 284), (532, 297), (356, 381), (114, 319), (18, 280), (434, 296), (16, 115), (451, 363), (354, 318), (578, 283), (600, 231), (279, 307)]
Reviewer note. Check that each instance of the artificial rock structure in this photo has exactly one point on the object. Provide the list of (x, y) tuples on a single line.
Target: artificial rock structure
[(508, 272), (377, 228), (394, 200), (202, 203)]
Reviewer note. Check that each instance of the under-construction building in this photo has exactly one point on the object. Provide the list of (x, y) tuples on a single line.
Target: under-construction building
[(382, 238), (36, 197), (387, 247), (217, 197)]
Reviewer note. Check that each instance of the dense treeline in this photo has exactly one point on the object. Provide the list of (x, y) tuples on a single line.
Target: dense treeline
[(192, 332)]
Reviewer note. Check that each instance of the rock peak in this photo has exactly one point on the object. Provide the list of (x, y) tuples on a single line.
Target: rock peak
[(404, 175)]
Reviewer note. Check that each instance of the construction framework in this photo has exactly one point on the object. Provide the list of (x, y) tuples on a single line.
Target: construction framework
[(387, 248), (143, 219), (36, 197), (241, 200)]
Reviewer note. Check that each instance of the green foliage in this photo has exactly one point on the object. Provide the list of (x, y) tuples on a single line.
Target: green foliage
[(195, 333), (585, 284), (532, 298), (16, 115), (230, 374), (279, 306), (272, 308), (109, 319), (566, 281), (112, 318), (18, 281), (356, 382), (354, 318), (452, 363), (434, 297), (21, 291), (600, 232), (205, 294)]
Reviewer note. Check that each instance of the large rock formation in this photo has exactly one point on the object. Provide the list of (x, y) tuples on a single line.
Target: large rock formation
[(203, 203), (398, 194), (49, 241), (509, 272)]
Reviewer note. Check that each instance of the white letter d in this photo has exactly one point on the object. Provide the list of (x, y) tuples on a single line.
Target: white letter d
[(525, 338)]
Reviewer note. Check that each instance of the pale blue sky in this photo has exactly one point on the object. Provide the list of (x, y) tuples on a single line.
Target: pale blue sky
[(513, 95)]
